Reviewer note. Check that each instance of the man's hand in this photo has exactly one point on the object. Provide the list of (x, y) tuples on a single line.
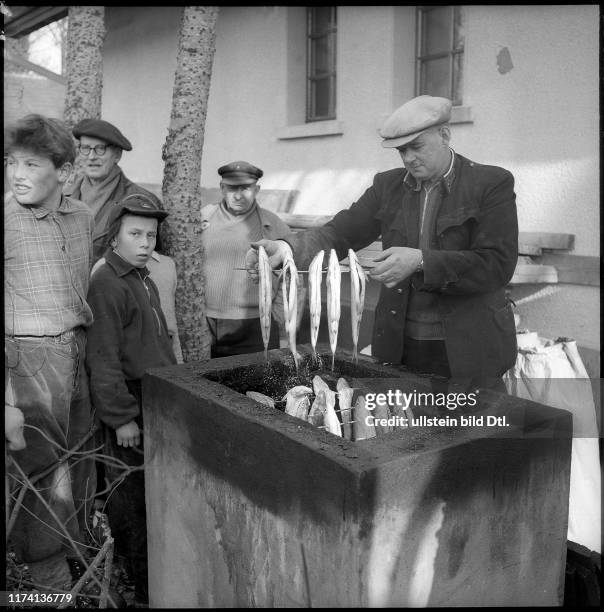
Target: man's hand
[(276, 251), (128, 434), (13, 427), (395, 264)]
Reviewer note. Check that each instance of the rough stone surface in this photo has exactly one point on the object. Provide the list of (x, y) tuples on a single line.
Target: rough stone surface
[(249, 507)]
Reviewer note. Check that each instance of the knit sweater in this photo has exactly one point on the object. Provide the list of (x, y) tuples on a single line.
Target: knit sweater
[(230, 294)]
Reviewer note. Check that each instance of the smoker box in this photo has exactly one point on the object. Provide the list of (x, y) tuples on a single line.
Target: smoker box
[(249, 507)]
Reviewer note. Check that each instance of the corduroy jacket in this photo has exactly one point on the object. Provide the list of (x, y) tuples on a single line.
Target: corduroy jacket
[(472, 259)]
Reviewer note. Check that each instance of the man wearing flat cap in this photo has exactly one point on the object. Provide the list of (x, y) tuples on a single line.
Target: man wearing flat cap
[(449, 232), (228, 228), (102, 183)]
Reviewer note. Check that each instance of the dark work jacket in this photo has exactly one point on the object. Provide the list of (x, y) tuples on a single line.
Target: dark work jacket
[(125, 187), (128, 336), (472, 259)]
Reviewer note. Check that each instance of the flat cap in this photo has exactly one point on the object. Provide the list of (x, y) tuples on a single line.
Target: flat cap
[(414, 117), (97, 128), (136, 204), (239, 173)]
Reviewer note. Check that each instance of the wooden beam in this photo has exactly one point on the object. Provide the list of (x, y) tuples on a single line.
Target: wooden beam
[(25, 19), (546, 240), (21, 61), (573, 269), (528, 272)]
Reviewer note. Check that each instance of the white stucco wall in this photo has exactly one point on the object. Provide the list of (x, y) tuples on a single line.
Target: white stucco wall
[(539, 119), (139, 60), (248, 105)]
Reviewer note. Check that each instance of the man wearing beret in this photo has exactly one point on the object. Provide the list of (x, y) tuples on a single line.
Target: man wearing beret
[(449, 231), (228, 229), (102, 184)]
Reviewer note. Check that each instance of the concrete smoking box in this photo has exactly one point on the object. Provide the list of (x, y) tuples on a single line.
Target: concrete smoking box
[(249, 507)]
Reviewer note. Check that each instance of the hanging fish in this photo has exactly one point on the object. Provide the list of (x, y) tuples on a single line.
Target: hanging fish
[(315, 278), (265, 297), (357, 299), (334, 277), (290, 303)]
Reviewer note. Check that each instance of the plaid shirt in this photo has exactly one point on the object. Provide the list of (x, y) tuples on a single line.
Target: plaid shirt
[(47, 259)]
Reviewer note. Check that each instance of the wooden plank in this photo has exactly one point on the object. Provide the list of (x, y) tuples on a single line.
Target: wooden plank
[(547, 240), (301, 222), (573, 269), (529, 249), (533, 273)]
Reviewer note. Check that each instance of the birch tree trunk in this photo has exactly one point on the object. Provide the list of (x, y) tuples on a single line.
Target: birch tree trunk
[(182, 173), (84, 65)]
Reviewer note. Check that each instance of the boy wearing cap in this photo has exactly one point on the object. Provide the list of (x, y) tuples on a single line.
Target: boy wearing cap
[(449, 231), (128, 336), (47, 258), (228, 228), (102, 184)]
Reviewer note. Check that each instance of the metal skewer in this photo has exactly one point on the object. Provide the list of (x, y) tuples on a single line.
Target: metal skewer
[(343, 268)]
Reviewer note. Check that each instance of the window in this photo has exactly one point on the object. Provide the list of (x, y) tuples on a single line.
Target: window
[(321, 63), (439, 55)]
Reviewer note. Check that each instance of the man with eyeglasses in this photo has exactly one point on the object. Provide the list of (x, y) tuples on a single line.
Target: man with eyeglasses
[(228, 227), (102, 184)]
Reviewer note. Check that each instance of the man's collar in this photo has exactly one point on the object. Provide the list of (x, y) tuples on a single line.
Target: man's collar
[(446, 180)]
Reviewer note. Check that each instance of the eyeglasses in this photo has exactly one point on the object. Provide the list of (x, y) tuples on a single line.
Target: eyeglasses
[(98, 149)]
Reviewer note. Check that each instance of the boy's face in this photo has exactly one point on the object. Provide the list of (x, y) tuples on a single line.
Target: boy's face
[(33, 178), (136, 239)]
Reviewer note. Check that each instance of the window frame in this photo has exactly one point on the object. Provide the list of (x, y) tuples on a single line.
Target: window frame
[(451, 53), (311, 115)]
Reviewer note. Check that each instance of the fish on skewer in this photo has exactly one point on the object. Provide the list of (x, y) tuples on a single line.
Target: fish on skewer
[(316, 414), (334, 278), (330, 418), (290, 303), (297, 402), (332, 424), (345, 393), (357, 299), (315, 278), (265, 296), (362, 427)]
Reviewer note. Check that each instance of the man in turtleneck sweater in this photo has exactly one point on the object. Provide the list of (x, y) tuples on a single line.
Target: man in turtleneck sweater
[(228, 229), (102, 184)]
